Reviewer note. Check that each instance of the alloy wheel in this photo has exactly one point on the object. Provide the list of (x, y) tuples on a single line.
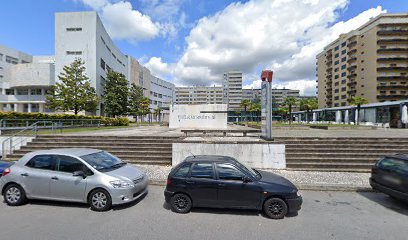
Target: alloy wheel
[(13, 195), (99, 200)]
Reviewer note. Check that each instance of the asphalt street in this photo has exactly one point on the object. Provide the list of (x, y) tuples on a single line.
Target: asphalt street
[(325, 215)]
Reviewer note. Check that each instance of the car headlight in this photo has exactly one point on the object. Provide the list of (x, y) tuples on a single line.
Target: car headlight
[(121, 184), (298, 194)]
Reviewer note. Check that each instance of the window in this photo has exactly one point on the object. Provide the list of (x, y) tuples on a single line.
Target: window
[(228, 172), (336, 90), (74, 52), (336, 98), (182, 172), (336, 62), (400, 166), (45, 162), (74, 29), (343, 89), (336, 48), (202, 170), (69, 164), (343, 59), (343, 44), (102, 64), (103, 161), (103, 41), (11, 60), (336, 55), (343, 67), (343, 52), (9, 91), (343, 81), (1, 57), (22, 91), (36, 91)]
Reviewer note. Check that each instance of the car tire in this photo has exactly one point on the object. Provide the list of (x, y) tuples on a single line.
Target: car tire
[(14, 195), (181, 203), (100, 200), (275, 208)]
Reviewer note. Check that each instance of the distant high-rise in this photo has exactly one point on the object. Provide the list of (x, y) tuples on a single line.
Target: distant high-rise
[(232, 90), (369, 62), (199, 95)]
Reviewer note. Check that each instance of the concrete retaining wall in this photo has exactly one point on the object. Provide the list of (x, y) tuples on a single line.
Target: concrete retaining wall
[(269, 156)]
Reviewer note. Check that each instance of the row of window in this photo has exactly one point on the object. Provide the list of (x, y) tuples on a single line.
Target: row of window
[(113, 55), (74, 52), (225, 171), (74, 29), (35, 91), (394, 92)]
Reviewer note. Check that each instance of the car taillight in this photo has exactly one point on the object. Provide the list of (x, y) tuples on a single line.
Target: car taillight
[(6, 171), (373, 170), (168, 182)]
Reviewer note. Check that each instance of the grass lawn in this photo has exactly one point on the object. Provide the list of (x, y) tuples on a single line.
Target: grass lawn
[(80, 129)]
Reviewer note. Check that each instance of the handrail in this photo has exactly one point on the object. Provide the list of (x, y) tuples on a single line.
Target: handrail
[(33, 127), (18, 123)]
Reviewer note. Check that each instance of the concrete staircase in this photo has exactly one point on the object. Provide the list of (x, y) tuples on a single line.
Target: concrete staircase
[(339, 154), (134, 149)]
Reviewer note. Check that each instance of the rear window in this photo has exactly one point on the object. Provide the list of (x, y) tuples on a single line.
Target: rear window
[(182, 172), (393, 164)]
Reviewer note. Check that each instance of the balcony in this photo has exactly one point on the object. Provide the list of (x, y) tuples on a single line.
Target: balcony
[(352, 59), (382, 78), (392, 96), (352, 67), (392, 31), (383, 59), (400, 87), (351, 83), (390, 68), (352, 51), (353, 75), (392, 40), (395, 49), (352, 91), (352, 44)]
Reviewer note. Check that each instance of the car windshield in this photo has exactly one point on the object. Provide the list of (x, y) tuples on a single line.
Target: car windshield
[(103, 161), (254, 173)]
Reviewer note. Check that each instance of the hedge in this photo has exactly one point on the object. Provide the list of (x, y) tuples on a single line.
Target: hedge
[(44, 116)]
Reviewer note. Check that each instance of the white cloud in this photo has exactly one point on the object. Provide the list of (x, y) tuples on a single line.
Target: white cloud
[(123, 22), (156, 65), (285, 35)]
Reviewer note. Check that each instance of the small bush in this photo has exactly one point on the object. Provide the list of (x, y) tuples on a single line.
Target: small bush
[(120, 121)]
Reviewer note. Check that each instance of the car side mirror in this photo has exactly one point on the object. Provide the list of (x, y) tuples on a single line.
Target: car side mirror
[(79, 174), (246, 179)]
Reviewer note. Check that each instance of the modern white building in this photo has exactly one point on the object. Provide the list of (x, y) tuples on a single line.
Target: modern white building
[(162, 95), (232, 90), (82, 35), (24, 80), (199, 95)]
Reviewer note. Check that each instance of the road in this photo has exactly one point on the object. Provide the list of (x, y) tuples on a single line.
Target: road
[(325, 215)]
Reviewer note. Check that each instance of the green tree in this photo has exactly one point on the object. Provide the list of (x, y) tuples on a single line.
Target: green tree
[(358, 101), (116, 94), (245, 104), (157, 113), (135, 96), (290, 102), (308, 104), (144, 106), (74, 91)]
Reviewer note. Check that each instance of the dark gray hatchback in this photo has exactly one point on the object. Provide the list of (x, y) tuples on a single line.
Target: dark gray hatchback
[(390, 176), (223, 182)]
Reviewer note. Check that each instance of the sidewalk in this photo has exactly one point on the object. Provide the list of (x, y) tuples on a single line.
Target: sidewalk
[(304, 180)]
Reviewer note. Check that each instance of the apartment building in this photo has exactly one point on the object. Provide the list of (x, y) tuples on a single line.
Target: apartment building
[(232, 90), (24, 80), (199, 95), (369, 62), (278, 95)]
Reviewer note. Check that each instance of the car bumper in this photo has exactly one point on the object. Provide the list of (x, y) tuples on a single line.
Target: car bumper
[(167, 195), (294, 204), (122, 196), (388, 191)]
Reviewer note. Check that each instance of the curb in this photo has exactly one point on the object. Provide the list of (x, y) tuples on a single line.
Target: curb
[(305, 187)]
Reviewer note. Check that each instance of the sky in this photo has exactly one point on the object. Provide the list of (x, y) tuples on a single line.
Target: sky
[(192, 42)]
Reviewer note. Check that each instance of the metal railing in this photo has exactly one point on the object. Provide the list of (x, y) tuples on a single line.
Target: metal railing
[(17, 139), (20, 124)]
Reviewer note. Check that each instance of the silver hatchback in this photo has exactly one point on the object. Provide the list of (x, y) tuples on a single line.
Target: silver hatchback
[(74, 174)]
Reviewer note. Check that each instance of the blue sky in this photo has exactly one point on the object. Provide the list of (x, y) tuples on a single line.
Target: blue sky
[(28, 26)]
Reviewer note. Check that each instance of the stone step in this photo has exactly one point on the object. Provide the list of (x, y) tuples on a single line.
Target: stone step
[(105, 137), (96, 143), (127, 157), (340, 138), (348, 150), (330, 165), (102, 140), (106, 148), (333, 155), (348, 146), (312, 160), (114, 152), (343, 142), (330, 169)]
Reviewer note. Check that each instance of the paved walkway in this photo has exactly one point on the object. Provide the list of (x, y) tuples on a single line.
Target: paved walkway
[(305, 180), (156, 130)]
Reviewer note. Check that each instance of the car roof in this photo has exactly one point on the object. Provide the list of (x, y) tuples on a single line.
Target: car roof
[(399, 156), (209, 158), (77, 152)]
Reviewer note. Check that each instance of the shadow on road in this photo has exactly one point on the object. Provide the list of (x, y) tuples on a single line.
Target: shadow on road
[(396, 205), (223, 211)]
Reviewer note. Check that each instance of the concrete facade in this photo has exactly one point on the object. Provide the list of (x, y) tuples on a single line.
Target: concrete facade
[(278, 95), (255, 155), (369, 62), (199, 95), (232, 85), (192, 116)]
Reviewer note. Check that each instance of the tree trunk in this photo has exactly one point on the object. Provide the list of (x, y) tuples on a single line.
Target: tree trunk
[(358, 114), (290, 114)]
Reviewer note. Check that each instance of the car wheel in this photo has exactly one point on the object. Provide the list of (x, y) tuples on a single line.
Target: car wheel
[(181, 203), (14, 195), (100, 200), (275, 208)]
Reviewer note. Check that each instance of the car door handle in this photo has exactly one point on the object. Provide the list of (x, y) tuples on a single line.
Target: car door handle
[(221, 184), (190, 182), (54, 178), (24, 174)]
